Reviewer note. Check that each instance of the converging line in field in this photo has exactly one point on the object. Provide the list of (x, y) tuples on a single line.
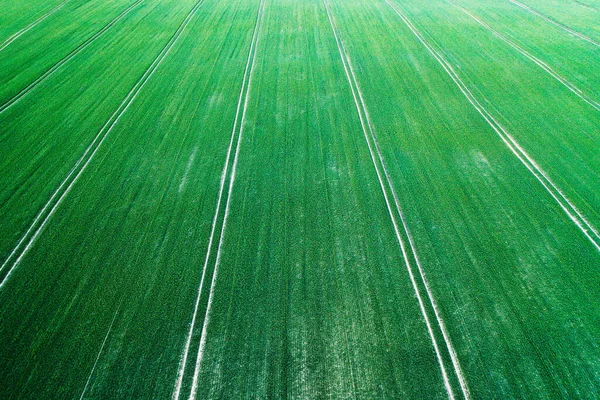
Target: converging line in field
[(87, 383), (564, 81), (42, 218), (563, 201), (586, 5), (66, 59), (389, 194), (32, 25), (555, 23), (227, 176)]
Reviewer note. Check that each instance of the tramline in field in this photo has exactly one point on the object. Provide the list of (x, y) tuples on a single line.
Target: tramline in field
[(299, 199)]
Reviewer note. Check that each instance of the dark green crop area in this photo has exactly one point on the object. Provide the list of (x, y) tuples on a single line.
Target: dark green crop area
[(303, 199)]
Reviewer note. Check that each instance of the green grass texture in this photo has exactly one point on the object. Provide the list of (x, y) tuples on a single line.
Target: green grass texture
[(303, 199)]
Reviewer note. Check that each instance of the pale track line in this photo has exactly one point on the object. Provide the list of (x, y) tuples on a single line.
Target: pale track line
[(585, 5), (93, 148), (183, 363), (100, 351), (563, 201), (564, 81), (252, 61), (555, 23), (238, 123), (9, 103), (367, 129), (32, 25)]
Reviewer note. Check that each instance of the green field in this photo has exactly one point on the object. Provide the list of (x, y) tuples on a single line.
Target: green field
[(299, 199)]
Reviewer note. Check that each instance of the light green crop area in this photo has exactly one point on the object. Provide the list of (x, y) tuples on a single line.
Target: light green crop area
[(304, 199)]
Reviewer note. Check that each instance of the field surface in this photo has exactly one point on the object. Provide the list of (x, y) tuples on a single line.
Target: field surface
[(346, 199)]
